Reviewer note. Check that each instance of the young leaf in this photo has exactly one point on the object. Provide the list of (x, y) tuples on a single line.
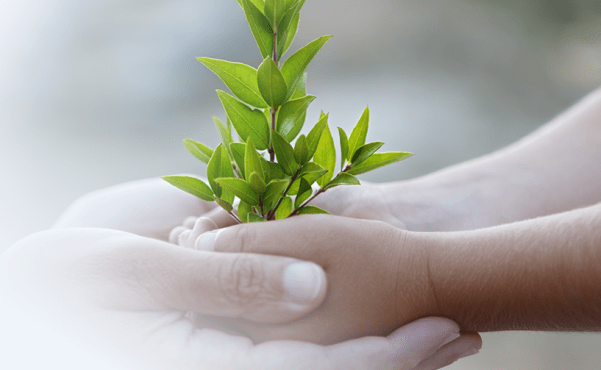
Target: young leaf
[(191, 185), (256, 182), (253, 217), (246, 121), (314, 135), (243, 209), (290, 34), (237, 150), (295, 65), (239, 188), (304, 192), (312, 210), (378, 160), (273, 192), (271, 82), (199, 150), (260, 4), (220, 166), (358, 134), (288, 25), (274, 11), (260, 27), (365, 152), (284, 153), (223, 204), (275, 171), (344, 178), (226, 137), (291, 117), (301, 150), (312, 168), (240, 78), (252, 161), (301, 88), (325, 156), (285, 209), (343, 147)]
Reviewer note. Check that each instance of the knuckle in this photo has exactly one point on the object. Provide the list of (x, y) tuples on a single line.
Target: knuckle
[(244, 237), (242, 281)]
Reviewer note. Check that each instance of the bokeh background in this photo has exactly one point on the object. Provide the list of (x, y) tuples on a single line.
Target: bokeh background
[(95, 93)]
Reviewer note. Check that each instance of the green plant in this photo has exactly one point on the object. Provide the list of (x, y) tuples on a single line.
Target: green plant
[(267, 112)]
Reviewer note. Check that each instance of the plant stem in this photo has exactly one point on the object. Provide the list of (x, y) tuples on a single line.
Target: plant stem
[(271, 213), (271, 152), (321, 190)]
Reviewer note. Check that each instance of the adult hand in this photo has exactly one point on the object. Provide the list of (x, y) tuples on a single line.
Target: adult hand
[(93, 298), (149, 207), (376, 281)]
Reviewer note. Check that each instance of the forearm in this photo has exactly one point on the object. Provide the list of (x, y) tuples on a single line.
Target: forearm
[(553, 170), (541, 274)]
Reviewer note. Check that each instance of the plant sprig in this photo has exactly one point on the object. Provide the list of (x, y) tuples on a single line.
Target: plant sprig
[(267, 110)]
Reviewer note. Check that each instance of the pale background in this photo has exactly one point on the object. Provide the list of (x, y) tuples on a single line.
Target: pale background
[(94, 93)]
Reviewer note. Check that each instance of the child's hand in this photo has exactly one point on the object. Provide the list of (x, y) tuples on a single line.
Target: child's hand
[(376, 281)]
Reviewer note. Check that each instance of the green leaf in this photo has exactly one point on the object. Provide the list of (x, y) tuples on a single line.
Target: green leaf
[(314, 135), (274, 11), (344, 178), (260, 27), (256, 182), (191, 185), (260, 4), (253, 217), (312, 210), (223, 204), (312, 168), (200, 151), (284, 153), (343, 147), (325, 156), (275, 171), (378, 160), (226, 137), (285, 209), (291, 117), (301, 150), (220, 166), (246, 121), (304, 192), (240, 78), (301, 88), (273, 192), (288, 25), (365, 152), (271, 83), (238, 150), (243, 209), (295, 66), (291, 34), (239, 188), (252, 161), (359, 134)]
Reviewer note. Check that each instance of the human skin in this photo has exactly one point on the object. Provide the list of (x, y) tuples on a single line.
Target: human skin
[(104, 299), (540, 274), (76, 294), (525, 275)]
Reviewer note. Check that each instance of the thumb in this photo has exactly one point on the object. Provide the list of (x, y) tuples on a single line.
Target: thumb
[(126, 271)]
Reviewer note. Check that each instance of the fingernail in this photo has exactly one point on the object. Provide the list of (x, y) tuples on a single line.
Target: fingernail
[(206, 242), (450, 338), (470, 352), (303, 282)]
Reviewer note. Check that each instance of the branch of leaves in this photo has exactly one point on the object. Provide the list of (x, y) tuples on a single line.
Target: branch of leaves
[(265, 188)]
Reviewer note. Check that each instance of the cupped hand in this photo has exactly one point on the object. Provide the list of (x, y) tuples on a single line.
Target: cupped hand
[(378, 280), (149, 207), (95, 298)]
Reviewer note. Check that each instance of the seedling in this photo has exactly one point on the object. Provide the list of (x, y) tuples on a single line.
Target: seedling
[(272, 170)]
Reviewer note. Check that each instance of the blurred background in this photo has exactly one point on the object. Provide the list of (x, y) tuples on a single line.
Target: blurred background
[(96, 93)]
